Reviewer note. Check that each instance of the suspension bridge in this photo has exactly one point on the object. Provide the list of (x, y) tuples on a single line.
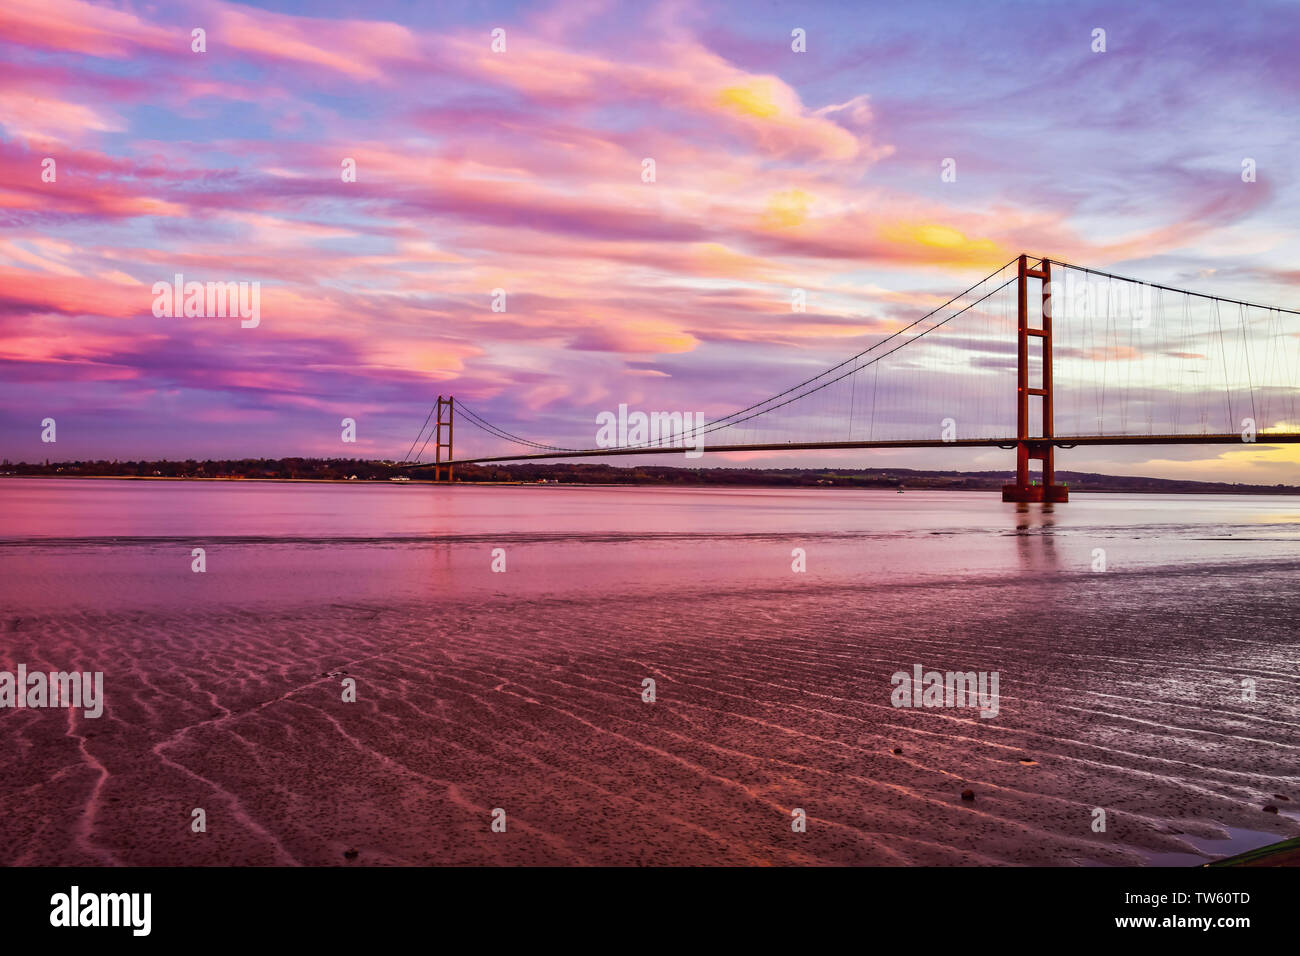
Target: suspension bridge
[(1039, 355)]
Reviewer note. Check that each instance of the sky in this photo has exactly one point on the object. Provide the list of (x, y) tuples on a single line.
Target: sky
[(503, 146)]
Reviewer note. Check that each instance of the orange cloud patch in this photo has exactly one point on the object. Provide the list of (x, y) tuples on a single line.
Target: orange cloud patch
[(436, 360), (788, 209), (940, 243), (755, 98), (634, 336)]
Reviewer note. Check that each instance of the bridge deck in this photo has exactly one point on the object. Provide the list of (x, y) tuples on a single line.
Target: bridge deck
[(1230, 438)]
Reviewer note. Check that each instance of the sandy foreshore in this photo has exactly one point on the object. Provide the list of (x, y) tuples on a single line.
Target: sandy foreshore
[(1120, 692)]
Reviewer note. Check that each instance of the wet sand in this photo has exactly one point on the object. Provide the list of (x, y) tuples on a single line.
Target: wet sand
[(1123, 689)]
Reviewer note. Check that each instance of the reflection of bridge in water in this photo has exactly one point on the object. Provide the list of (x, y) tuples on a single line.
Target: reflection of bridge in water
[(1127, 363)]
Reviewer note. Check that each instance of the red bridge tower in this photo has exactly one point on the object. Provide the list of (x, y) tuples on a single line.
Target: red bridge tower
[(1037, 447)]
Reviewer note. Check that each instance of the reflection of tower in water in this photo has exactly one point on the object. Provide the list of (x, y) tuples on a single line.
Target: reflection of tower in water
[(1036, 537)]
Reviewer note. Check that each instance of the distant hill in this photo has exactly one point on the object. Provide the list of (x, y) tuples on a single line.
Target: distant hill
[(343, 469), (841, 477)]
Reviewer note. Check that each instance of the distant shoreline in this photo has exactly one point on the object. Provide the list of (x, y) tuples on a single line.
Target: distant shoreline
[(308, 481), (906, 481)]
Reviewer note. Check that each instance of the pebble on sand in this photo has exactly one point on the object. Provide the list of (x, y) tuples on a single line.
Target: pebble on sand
[(968, 794), (350, 854), (898, 750), (1269, 808)]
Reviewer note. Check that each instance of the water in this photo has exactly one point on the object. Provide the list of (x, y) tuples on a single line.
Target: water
[(283, 542), (524, 689)]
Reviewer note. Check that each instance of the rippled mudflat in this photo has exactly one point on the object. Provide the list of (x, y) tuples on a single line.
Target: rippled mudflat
[(1119, 690)]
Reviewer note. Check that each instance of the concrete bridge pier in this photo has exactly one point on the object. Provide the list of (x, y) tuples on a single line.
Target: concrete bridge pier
[(1023, 489)]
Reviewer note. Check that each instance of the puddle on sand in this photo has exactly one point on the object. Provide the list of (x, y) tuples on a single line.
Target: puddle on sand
[(1239, 841)]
